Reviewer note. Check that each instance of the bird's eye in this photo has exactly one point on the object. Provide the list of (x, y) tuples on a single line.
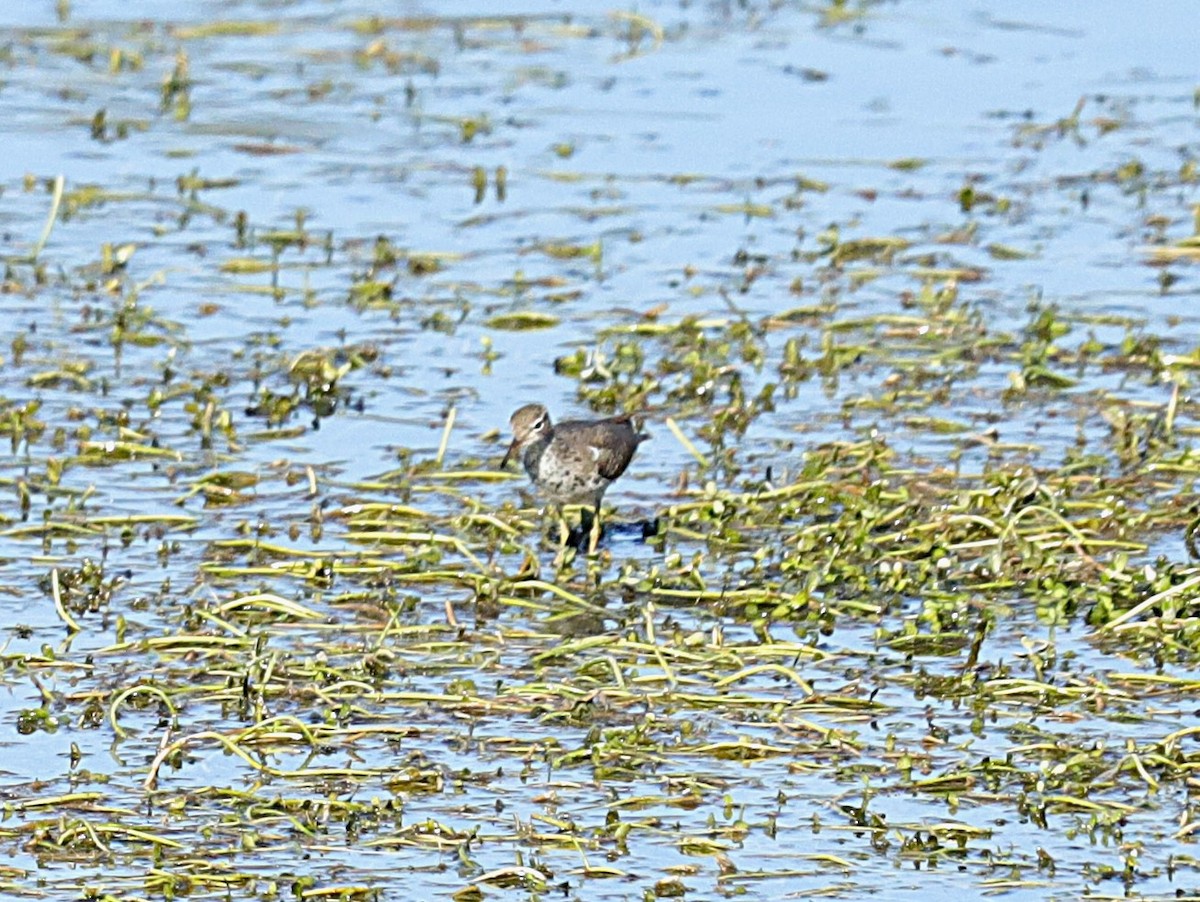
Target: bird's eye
[(540, 424)]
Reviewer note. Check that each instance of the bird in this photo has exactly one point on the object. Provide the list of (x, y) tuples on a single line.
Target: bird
[(574, 462)]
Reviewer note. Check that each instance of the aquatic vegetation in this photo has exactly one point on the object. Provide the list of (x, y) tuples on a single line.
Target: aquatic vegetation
[(902, 589)]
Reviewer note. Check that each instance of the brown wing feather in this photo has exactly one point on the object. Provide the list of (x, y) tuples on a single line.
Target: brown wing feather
[(615, 440)]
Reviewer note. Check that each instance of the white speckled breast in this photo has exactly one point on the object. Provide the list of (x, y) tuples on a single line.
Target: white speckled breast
[(565, 472)]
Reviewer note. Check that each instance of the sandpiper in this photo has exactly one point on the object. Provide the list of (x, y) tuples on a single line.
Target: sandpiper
[(575, 461)]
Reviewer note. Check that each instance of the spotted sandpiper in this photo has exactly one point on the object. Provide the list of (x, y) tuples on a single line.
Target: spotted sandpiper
[(575, 461)]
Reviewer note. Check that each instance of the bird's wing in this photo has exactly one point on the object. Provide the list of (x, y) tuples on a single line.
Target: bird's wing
[(611, 462), (611, 443)]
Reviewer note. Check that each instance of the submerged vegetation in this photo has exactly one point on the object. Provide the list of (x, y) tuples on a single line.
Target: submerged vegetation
[(902, 591)]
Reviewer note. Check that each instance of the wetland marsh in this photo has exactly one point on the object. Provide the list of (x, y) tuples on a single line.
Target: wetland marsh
[(905, 295)]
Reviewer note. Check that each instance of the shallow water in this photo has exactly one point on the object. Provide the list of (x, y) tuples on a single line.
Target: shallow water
[(671, 176)]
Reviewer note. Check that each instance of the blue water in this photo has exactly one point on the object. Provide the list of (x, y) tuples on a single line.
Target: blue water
[(693, 156)]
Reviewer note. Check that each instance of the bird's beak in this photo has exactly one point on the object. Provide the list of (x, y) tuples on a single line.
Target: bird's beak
[(508, 455)]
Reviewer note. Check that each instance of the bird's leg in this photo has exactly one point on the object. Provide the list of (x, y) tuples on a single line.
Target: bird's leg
[(594, 531), (561, 549), (564, 531)]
